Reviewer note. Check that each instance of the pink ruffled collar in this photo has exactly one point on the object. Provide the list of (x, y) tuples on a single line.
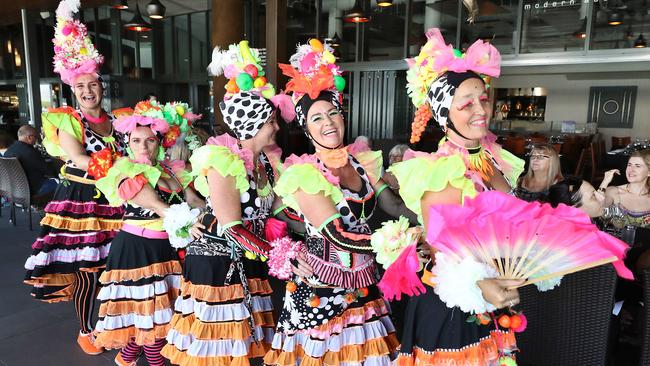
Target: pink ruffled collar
[(232, 144)]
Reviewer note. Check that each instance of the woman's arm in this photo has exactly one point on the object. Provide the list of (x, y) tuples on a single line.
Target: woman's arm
[(74, 150), (393, 204), (294, 224), (148, 198), (193, 199)]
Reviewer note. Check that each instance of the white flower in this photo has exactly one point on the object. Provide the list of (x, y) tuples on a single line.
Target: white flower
[(177, 222)]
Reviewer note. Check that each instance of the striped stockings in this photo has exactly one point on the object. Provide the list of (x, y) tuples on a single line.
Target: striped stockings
[(152, 353), (85, 291)]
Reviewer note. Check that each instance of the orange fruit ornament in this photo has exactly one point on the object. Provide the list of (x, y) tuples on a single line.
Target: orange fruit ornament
[(314, 301), (484, 319), (363, 292), (504, 321)]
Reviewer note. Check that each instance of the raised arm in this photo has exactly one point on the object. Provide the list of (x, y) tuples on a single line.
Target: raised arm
[(74, 150)]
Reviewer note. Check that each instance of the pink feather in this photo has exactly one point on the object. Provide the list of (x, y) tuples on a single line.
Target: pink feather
[(284, 103), (402, 276)]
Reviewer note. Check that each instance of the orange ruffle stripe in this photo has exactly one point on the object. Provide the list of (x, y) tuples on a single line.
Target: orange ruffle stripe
[(178, 357), (238, 330), (353, 353), (144, 307), (85, 224), (339, 322), (209, 293), (481, 353), (119, 338), (58, 279), (156, 269)]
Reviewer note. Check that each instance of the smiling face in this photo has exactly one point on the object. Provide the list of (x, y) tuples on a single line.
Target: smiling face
[(470, 109), (637, 170), (325, 124), (539, 161), (88, 91), (144, 145)]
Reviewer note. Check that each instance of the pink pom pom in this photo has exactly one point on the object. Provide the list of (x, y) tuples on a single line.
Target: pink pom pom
[(524, 324), (231, 71), (284, 250), (67, 30), (401, 276), (251, 70)]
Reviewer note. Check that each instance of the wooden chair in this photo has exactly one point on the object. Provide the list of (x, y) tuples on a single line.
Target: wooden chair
[(557, 148), (620, 142), (568, 325), (596, 159), (581, 163)]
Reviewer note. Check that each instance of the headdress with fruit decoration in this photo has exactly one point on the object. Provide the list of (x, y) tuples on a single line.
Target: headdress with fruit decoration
[(314, 76), (250, 99), (431, 83), (74, 52), (145, 113)]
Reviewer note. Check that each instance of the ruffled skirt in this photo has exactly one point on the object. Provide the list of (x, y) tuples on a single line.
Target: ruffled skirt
[(212, 322), (437, 335), (339, 330), (76, 234), (139, 286)]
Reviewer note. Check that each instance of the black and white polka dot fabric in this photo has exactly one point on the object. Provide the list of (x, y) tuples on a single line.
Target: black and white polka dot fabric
[(302, 107), (440, 95), (245, 113)]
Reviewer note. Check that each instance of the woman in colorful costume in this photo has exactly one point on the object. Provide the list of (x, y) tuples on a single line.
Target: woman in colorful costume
[(224, 314), (143, 271), (337, 316), (79, 224), (447, 85)]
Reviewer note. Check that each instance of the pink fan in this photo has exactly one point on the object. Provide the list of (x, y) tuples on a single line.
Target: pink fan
[(523, 240)]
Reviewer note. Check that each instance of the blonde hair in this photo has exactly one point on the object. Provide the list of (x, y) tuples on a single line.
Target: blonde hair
[(645, 156), (179, 152), (554, 173)]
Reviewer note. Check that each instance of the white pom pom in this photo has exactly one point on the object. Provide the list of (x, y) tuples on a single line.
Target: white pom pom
[(177, 222), (67, 7), (456, 283)]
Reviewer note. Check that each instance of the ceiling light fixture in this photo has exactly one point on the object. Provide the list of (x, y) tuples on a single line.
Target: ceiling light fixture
[(384, 3), (357, 14), (120, 5), (138, 24), (615, 18), (155, 9)]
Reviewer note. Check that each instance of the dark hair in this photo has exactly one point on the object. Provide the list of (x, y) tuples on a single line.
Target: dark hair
[(567, 192), (5, 140)]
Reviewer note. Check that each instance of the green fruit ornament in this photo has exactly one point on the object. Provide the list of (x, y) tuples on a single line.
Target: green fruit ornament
[(244, 81), (339, 83)]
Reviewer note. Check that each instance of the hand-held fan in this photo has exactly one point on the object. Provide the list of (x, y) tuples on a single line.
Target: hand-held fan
[(523, 240)]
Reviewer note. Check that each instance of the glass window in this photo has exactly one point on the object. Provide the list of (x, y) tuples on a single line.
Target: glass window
[(182, 50), (618, 25), (103, 41), (553, 26), (384, 33), (301, 24), (432, 14), (167, 64), (199, 43), (146, 55), (496, 24), (128, 46)]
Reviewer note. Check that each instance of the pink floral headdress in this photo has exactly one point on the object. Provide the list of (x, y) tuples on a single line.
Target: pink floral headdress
[(74, 52)]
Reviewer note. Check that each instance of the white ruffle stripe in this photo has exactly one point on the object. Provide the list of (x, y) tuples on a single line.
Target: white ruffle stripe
[(111, 322), (89, 254), (222, 313), (370, 361), (215, 347), (120, 292), (353, 335)]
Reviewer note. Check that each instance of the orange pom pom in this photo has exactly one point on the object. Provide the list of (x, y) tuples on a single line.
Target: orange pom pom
[(504, 321), (314, 301), (291, 286), (363, 292), (515, 321)]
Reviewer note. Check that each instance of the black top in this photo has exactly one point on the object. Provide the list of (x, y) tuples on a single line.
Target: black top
[(34, 164)]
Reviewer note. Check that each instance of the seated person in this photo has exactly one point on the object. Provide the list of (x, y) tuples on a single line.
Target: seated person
[(543, 171), (578, 193), (629, 204), (395, 155), (36, 169)]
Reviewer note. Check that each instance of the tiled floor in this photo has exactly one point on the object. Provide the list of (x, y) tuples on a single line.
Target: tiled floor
[(34, 333)]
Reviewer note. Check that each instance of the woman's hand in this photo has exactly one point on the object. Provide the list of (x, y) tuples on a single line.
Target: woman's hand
[(300, 267), (497, 293), (195, 230), (607, 179)]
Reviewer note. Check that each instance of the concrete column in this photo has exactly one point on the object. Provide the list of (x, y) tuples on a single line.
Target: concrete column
[(227, 28)]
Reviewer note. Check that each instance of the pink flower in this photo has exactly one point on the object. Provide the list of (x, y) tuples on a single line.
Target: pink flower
[(67, 29)]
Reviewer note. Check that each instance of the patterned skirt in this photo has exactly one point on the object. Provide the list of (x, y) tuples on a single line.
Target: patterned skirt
[(437, 335), (331, 326), (215, 324), (76, 234), (139, 286)]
